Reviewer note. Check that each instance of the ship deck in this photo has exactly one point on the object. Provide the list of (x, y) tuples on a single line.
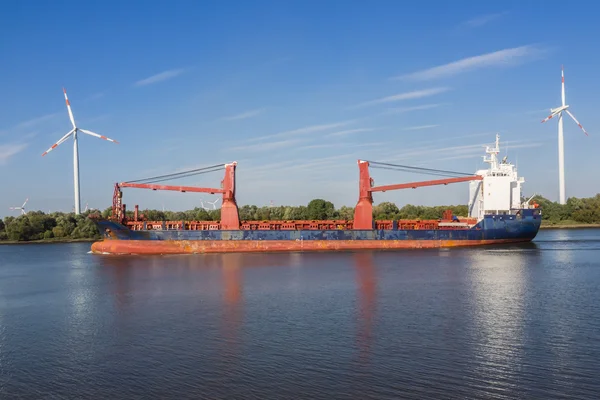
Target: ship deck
[(304, 225)]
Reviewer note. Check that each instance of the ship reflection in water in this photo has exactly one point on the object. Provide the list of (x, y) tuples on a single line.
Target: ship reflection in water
[(223, 277), (366, 282)]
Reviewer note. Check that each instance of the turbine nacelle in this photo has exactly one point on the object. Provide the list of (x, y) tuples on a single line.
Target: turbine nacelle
[(555, 111)]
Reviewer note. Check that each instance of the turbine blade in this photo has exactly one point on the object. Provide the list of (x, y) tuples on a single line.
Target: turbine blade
[(69, 108), (562, 74), (549, 117), (577, 122), (55, 145), (98, 136), (26, 200)]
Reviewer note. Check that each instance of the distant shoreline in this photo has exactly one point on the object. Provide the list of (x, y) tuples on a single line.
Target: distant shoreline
[(571, 226), (47, 241)]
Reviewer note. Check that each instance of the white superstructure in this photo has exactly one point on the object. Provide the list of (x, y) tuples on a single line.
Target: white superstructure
[(500, 190)]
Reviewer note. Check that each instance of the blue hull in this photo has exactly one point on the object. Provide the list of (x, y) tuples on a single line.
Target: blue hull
[(523, 227)]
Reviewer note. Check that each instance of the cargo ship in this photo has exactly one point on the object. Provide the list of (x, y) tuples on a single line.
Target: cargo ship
[(496, 214)]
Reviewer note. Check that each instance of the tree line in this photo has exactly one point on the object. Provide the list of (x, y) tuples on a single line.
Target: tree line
[(37, 225)]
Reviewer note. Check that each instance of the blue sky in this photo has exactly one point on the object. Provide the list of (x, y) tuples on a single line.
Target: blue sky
[(295, 92)]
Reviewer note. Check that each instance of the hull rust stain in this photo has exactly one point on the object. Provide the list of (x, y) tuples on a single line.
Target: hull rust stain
[(231, 246)]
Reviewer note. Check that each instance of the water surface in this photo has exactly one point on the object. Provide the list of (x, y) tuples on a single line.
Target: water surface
[(506, 322)]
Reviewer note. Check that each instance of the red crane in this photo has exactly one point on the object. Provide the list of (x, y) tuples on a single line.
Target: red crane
[(229, 211), (363, 213)]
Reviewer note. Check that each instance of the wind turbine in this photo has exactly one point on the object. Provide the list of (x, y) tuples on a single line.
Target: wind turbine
[(214, 203), (203, 206), (561, 141), (22, 208), (75, 151)]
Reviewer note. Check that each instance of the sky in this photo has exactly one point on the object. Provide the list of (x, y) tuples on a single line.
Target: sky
[(294, 91)]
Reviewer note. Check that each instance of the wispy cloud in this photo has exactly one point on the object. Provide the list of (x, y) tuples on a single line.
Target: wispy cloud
[(305, 130), (9, 150), (245, 115), (303, 166), (39, 120), (163, 76), (416, 94), (423, 146), (504, 57), (457, 152), (539, 111), (29, 135), (266, 146), (418, 128), (342, 145), (477, 152), (484, 19), (350, 131), (401, 110), (96, 96), (98, 118)]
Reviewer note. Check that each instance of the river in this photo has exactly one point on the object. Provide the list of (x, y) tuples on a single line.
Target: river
[(505, 322)]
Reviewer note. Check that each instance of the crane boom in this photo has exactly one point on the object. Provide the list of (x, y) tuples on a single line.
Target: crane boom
[(363, 212), (151, 186), (414, 185), (230, 219)]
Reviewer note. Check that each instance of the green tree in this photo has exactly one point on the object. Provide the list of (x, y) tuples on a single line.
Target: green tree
[(20, 229), (214, 215), (385, 211), (319, 209), (346, 213), (202, 215), (58, 232), (67, 222), (3, 235), (107, 212), (248, 213)]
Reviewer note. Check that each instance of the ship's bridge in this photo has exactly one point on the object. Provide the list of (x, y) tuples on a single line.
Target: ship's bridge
[(500, 190)]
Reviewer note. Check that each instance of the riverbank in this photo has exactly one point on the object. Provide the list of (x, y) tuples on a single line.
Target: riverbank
[(47, 241), (570, 226)]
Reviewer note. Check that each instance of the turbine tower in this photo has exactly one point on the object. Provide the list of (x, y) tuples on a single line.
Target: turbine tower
[(22, 208), (561, 141), (75, 151)]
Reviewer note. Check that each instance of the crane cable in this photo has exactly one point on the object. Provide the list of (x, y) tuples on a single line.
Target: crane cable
[(421, 170), (179, 175)]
